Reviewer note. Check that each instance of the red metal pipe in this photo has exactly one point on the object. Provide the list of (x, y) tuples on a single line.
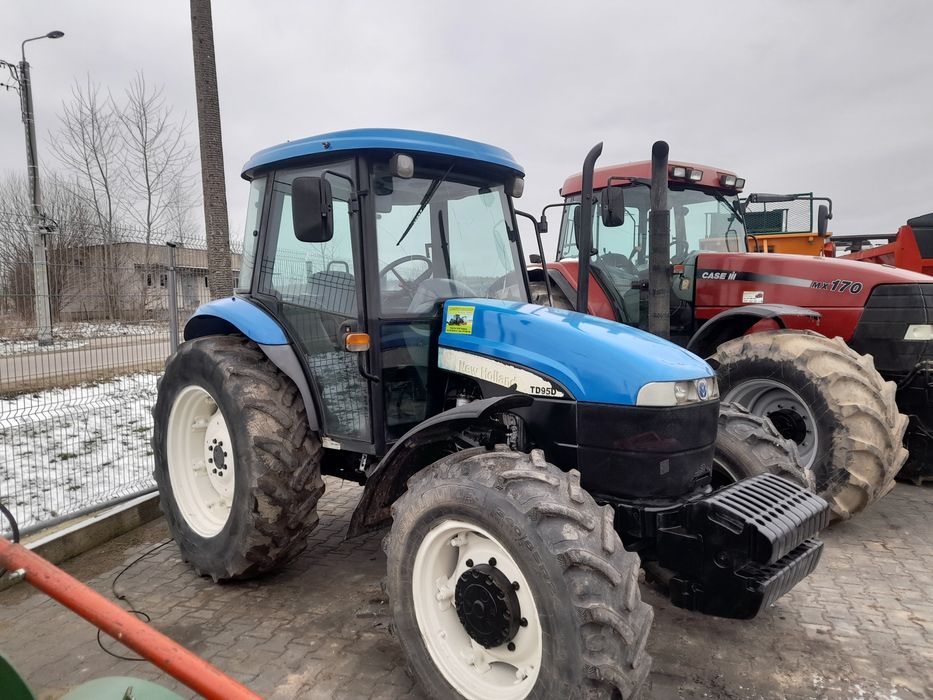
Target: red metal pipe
[(174, 659)]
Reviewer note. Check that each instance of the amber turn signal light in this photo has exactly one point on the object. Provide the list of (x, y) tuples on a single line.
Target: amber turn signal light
[(357, 342)]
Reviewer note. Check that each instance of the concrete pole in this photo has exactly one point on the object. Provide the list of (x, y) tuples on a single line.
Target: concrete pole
[(39, 263)]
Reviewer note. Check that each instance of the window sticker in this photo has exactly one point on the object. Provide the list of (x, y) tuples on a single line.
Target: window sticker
[(459, 320), (753, 297)]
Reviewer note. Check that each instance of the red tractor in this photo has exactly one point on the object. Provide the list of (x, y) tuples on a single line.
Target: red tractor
[(833, 352)]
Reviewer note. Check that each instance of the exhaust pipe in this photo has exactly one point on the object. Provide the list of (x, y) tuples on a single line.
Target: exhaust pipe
[(585, 230), (659, 246)]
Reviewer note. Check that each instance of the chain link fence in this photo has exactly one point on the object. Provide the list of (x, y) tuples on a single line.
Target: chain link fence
[(75, 421)]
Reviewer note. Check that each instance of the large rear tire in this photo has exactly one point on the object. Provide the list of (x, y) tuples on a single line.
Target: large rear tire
[(237, 467), (830, 401), (748, 445), (507, 531)]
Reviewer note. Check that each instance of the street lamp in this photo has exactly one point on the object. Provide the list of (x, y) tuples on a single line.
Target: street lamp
[(21, 76)]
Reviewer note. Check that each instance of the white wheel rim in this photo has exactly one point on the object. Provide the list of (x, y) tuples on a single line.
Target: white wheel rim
[(765, 397), (200, 461), (474, 672)]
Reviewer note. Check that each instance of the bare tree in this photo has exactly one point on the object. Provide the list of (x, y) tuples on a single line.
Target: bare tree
[(219, 267), (88, 144), (72, 223), (156, 162)]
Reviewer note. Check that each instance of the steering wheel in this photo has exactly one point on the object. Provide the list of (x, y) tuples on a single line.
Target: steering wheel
[(408, 285), (620, 261)]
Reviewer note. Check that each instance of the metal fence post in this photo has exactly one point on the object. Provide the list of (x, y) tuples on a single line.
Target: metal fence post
[(172, 296)]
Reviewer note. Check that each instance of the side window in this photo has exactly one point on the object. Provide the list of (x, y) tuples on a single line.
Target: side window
[(257, 191), (312, 275)]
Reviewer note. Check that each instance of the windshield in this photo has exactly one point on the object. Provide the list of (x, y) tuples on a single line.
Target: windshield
[(443, 234), (701, 220)]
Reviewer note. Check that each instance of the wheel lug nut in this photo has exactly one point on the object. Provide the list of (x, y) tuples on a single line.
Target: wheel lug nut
[(214, 470), (215, 441), (524, 622), (469, 563), (210, 460), (515, 585), (511, 646), (492, 561)]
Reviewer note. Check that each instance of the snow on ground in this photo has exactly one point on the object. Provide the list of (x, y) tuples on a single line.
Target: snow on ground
[(64, 449), (76, 335)]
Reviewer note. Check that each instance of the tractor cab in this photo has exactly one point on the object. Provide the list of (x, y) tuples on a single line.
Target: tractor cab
[(706, 216), (381, 236)]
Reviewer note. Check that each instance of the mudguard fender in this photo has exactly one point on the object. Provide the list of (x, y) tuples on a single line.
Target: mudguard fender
[(386, 480), (732, 323), (238, 315)]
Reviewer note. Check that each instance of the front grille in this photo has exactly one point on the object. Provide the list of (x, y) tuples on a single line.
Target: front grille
[(890, 309)]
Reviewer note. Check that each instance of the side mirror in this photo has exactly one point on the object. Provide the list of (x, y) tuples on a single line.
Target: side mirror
[(534, 259), (822, 220), (612, 206), (542, 224), (312, 209)]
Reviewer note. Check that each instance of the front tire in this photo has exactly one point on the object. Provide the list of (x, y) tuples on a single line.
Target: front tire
[(830, 400), (748, 445), (472, 526), (237, 467)]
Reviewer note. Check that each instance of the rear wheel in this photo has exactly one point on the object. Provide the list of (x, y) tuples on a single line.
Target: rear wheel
[(507, 581), (830, 401), (237, 467)]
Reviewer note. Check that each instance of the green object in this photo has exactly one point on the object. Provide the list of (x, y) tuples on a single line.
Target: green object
[(12, 685), (120, 688)]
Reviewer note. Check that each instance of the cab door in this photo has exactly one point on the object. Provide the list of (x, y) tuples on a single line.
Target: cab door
[(317, 292)]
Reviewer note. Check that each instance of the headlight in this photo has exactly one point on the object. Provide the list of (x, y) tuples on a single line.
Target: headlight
[(678, 393), (923, 331)]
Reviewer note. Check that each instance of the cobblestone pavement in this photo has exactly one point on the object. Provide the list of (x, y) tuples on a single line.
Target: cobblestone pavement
[(861, 627)]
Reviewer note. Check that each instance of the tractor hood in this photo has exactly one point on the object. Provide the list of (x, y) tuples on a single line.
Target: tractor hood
[(592, 359)]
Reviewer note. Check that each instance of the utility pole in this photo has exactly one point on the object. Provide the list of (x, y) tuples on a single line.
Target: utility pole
[(40, 268), (219, 268)]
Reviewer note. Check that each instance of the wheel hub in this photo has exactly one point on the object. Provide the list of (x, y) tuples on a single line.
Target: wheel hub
[(487, 605), (789, 424)]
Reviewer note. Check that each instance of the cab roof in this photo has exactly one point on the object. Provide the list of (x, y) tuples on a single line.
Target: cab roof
[(642, 169), (397, 140)]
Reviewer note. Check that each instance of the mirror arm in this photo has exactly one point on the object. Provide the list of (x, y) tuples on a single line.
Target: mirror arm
[(547, 277), (354, 198)]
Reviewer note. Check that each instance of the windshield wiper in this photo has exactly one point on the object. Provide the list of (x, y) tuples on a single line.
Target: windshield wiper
[(424, 202), (735, 212)]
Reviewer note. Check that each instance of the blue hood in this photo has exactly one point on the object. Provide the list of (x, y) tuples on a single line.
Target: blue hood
[(596, 360)]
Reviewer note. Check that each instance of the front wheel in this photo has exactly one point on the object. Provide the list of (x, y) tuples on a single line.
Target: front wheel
[(748, 445), (507, 581)]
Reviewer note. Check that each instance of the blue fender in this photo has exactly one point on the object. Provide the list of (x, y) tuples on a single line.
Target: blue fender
[(247, 318), (239, 315)]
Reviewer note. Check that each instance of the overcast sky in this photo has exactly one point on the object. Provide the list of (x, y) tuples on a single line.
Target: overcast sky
[(834, 97)]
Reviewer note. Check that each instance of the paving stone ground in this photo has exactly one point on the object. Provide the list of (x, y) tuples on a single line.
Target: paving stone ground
[(860, 628)]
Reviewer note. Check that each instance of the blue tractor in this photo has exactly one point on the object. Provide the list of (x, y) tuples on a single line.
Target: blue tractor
[(527, 459)]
